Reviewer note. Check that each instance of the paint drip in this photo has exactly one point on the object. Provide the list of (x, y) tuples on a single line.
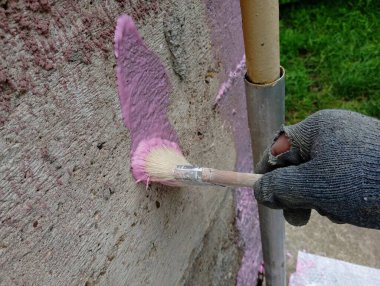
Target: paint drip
[(143, 88)]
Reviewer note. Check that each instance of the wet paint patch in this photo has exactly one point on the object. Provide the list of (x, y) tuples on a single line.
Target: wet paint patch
[(143, 88)]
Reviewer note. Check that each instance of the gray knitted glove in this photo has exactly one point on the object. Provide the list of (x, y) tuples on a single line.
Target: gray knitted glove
[(333, 166)]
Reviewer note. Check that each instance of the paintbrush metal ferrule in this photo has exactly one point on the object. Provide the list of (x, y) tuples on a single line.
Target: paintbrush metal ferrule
[(189, 174)]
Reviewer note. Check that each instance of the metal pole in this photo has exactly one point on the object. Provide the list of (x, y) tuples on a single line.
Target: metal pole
[(265, 92), (266, 109)]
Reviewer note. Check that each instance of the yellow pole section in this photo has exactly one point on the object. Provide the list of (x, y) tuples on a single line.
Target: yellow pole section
[(261, 39)]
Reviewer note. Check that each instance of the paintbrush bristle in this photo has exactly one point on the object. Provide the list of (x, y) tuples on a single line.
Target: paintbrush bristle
[(154, 160), (161, 162)]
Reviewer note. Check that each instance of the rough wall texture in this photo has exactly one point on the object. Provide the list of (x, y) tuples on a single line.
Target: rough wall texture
[(70, 212)]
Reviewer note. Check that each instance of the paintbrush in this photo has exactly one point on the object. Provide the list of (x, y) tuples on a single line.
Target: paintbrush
[(160, 160)]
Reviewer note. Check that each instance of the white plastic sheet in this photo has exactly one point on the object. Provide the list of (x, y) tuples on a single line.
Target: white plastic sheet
[(314, 270)]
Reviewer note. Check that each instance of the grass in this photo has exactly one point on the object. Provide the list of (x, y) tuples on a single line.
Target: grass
[(331, 52)]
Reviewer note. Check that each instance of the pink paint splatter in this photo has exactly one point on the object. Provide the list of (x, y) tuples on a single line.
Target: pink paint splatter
[(238, 73), (261, 268), (303, 265), (143, 88)]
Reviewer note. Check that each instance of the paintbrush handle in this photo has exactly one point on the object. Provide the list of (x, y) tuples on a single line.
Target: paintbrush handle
[(229, 178), (188, 174)]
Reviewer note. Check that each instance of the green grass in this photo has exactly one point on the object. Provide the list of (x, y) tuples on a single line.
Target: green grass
[(331, 52)]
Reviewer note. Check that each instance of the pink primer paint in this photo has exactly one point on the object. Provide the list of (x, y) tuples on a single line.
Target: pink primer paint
[(224, 18), (143, 88)]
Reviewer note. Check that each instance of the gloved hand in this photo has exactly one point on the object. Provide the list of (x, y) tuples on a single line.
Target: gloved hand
[(333, 166)]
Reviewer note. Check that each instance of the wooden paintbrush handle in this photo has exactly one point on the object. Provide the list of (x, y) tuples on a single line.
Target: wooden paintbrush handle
[(229, 178)]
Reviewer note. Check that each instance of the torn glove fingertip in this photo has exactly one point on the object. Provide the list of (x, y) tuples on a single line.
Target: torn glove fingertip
[(297, 217)]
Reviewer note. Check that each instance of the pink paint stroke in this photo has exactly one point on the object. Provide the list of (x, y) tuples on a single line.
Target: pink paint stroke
[(143, 88)]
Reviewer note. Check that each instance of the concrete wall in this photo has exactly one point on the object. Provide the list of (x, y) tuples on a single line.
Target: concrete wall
[(70, 211)]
